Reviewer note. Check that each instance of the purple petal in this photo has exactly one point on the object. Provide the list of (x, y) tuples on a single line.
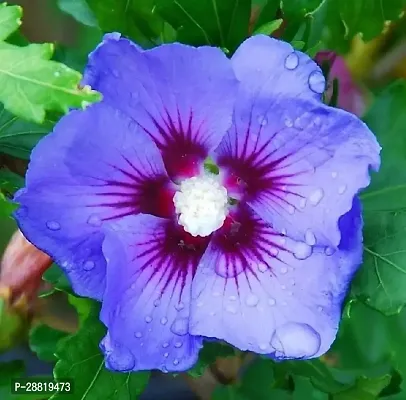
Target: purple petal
[(180, 95), (151, 264), (95, 167), (298, 164), (270, 68), (264, 292)]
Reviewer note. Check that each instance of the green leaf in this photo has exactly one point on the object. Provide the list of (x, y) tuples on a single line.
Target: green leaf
[(18, 137), (10, 182), (43, 341), (10, 20), (58, 279), (386, 118), (351, 349), (295, 9), (305, 390), (221, 23), (31, 84), (8, 371), (381, 281), (365, 389), (269, 28), (258, 379), (80, 359), (208, 355), (136, 19), (6, 206), (79, 10)]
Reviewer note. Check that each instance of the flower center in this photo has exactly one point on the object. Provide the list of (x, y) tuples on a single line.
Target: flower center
[(201, 205)]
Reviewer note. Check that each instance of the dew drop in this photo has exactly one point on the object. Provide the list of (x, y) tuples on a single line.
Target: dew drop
[(319, 308), (175, 361), (231, 309), (232, 298), (115, 73), (302, 251), (263, 346), (163, 368), (317, 82), (251, 300), (288, 123), (165, 345), (284, 232), (120, 360), (166, 355), (53, 225), (334, 174), (302, 203), (284, 270), (342, 189), (148, 319), (271, 301), (316, 197), (296, 340), (164, 321), (89, 265), (178, 345), (291, 209), (57, 73), (292, 61), (157, 302), (262, 120), (199, 304), (180, 326), (138, 335), (274, 251), (179, 307), (310, 238), (94, 220), (262, 267), (329, 251)]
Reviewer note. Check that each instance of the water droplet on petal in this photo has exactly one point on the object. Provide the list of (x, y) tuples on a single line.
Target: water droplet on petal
[(316, 197), (164, 320), (274, 251), (284, 232), (317, 83), (310, 238), (334, 174), (115, 73), (178, 345), (284, 270), (292, 61), (166, 355), (319, 308), (165, 345), (262, 120), (231, 309), (329, 251), (163, 368), (157, 302), (138, 335), (180, 326), (262, 267), (120, 360), (296, 340), (291, 209), (175, 361), (53, 225), (271, 302), (148, 319), (302, 203), (301, 250), (232, 298), (251, 300), (180, 306), (288, 123), (199, 304), (263, 346), (88, 265), (94, 220), (342, 189)]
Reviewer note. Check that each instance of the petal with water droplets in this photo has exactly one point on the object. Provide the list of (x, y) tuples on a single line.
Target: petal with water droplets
[(151, 264), (297, 298)]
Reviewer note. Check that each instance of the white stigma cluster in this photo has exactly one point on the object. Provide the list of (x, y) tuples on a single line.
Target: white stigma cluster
[(201, 205)]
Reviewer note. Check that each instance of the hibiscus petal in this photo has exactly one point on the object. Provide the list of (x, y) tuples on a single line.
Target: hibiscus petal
[(146, 305), (264, 292), (180, 95), (298, 164), (270, 68), (96, 166)]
